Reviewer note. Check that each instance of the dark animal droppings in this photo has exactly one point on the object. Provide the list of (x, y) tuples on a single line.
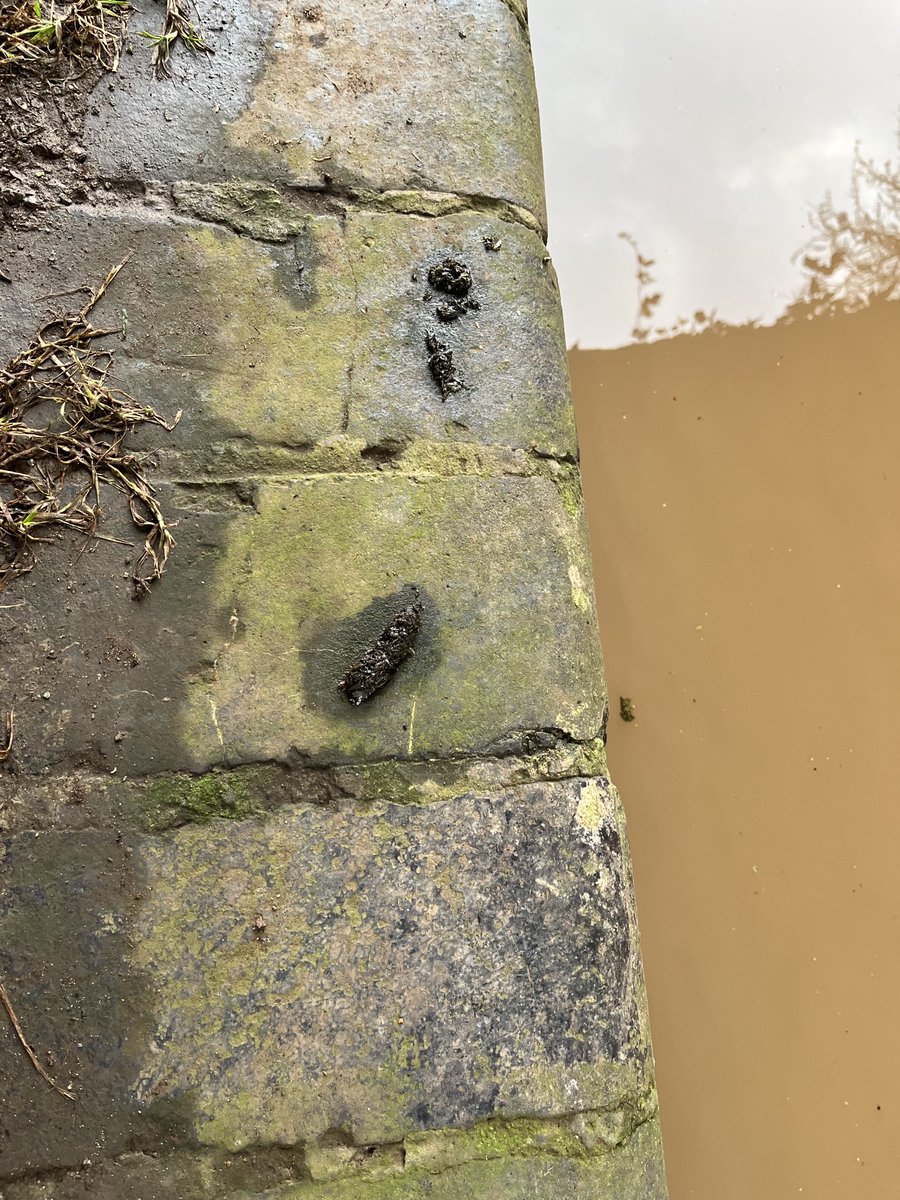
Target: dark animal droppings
[(454, 309), (451, 276), (440, 363), (379, 663)]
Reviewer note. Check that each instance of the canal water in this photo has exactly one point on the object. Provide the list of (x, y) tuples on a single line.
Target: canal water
[(739, 424)]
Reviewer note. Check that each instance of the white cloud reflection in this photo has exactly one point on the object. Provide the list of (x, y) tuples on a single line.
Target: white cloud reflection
[(708, 130)]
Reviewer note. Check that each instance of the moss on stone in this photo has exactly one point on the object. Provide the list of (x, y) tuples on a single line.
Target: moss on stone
[(396, 781), (512, 1170), (277, 361), (435, 1151), (568, 484), (179, 799), (518, 640), (247, 206)]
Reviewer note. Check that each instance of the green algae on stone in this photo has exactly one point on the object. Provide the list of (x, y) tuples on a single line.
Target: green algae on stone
[(436, 1151), (507, 631), (633, 1171), (247, 206), (278, 358), (178, 799), (362, 1007), (445, 204), (410, 782)]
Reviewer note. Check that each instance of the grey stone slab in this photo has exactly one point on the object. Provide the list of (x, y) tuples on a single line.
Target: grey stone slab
[(291, 344), (509, 353), (419, 967), (236, 654), (376, 969), (319, 571), (222, 327), (346, 94)]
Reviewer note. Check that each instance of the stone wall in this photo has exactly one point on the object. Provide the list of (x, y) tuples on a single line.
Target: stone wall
[(270, 942)]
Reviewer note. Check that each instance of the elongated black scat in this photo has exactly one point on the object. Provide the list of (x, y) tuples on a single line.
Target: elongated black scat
[(440, 363), (377, 665)]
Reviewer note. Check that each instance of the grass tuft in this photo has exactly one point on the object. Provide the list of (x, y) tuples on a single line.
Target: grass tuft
[(36, 36), (62, 433), (177, 27)]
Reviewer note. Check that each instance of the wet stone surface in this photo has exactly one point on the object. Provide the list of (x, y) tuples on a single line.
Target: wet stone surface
[(420, 967), (237, 654), (509, 351), (350, 98), (498, 653), (64, 902), (415, 968), (292, 343)]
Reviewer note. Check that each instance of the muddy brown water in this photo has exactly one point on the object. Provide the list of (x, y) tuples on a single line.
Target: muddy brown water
[(743, 492)]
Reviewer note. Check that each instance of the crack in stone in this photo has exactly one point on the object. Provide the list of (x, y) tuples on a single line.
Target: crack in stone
[(431, 204), (346, 458), (578, 1134), (273, 213), (356, 332), (521, 760), (519, 9)]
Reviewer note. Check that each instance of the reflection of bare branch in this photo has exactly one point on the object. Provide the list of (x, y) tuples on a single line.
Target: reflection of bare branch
[(853, 256), (648, 301)]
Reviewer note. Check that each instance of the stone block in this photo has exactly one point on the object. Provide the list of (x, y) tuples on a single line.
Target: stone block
[(237, 653), (508, 353), (501, 650), (359, 96), (364, 972), (321, 332)]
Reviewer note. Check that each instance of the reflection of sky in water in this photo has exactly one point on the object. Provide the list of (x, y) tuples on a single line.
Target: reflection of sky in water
[(707, 130)]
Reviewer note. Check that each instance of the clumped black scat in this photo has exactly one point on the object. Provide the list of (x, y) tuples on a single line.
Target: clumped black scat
[(454, 309), (454, 279), (440, 363), (377, 665), (451, 276)]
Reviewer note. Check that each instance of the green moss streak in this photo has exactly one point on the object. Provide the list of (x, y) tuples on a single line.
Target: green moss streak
[(180, 799)]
